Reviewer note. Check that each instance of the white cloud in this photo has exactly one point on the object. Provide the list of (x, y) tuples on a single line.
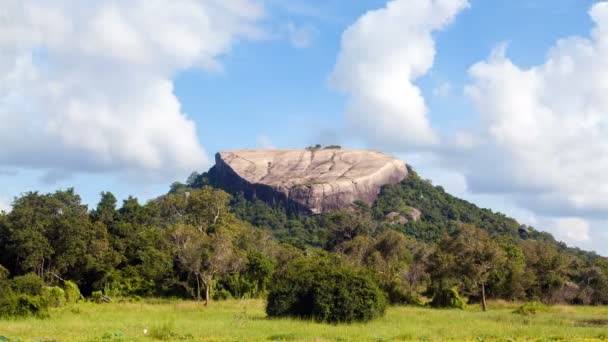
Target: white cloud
[(545, 128), (87, 87), (382, 54), (571, 229), (301, 36)]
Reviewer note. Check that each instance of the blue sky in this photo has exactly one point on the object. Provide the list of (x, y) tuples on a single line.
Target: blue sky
[(284, 74)]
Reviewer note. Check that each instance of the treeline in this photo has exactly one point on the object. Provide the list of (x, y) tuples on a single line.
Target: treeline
[(415, 244), (426, 220)]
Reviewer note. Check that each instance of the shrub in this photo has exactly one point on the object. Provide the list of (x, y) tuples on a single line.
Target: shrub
[(326, 290), (8, 303), (29, 284), (22, 305), (72, 292), (531, 308), (398, 295), (55, 296), (221, 294), (447, 298), (97, 297), (27, 305)]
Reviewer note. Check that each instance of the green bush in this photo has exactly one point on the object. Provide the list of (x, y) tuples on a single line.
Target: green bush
[(531, 308), (447, 298), (8, 303), (326, 290), (29, 284), (400, 296), (55, 296), (96, 297), (23, 296), (72, 292), (22, 305), (221, 294), (27, 305)]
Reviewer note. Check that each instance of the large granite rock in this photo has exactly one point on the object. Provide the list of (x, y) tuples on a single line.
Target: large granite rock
[(312, 181)]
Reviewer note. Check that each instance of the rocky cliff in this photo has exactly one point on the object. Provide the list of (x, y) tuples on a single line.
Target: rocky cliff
[(312, 181)]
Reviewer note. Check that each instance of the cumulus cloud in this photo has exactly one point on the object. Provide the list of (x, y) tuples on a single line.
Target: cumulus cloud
[(87, 87), (545, 128), (382, 55)]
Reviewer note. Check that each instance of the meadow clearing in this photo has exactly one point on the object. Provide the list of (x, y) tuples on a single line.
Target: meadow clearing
[(245, 320)]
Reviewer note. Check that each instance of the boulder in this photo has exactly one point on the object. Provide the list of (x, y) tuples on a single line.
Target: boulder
[(312, 180)]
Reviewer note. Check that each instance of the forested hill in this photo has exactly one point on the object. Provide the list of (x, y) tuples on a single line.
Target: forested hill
[(416, 243), (439, 214)]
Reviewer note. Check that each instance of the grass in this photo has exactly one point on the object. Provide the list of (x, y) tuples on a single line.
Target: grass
[(166, 320)]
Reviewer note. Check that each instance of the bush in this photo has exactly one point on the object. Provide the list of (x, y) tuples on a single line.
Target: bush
[(22, 305), (55, 296), (447, 298), (22, 296), (325, 290), (36, 306), (531, 308), (221, 294), (29, 284), (97, 297), (72, 292), (8, 303), (400, 296)]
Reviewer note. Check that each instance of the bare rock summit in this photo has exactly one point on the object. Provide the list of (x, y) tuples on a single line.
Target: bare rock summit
[(313, 180)]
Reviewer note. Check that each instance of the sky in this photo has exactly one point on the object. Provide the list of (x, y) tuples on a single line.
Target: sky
[(501, 102)]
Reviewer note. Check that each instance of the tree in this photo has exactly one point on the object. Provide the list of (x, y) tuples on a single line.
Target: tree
[(106, 209), (188, 245), (509, 281), (475, 254), (201, 208), (48, 234), (546, 267), (205, 256), (343, 226), (387, 257)]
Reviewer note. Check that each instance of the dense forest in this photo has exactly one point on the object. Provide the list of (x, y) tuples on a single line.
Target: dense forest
[(416, 245)]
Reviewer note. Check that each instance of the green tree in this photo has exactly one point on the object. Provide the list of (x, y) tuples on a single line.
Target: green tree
[(205, 256), (106, 209), (546, 267), (474, 257)]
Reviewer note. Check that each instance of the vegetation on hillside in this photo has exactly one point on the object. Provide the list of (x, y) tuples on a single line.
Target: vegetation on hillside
[(200, 242)]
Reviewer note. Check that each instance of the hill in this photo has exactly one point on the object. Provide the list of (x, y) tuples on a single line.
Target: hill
[(415, 243)]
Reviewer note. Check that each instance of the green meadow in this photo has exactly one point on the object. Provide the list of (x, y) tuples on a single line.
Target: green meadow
[(234, 320)]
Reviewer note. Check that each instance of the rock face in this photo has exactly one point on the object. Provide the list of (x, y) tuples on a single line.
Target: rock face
[(312, 181)]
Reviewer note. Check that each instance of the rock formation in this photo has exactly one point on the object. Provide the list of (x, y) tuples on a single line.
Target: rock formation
[(313, 181)]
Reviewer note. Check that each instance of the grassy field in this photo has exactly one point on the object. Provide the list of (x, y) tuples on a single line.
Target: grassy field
[(246, 321)]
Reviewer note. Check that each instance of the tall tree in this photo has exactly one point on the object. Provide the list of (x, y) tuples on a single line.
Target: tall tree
[(205, 256), (476, 256), (106, 209)]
